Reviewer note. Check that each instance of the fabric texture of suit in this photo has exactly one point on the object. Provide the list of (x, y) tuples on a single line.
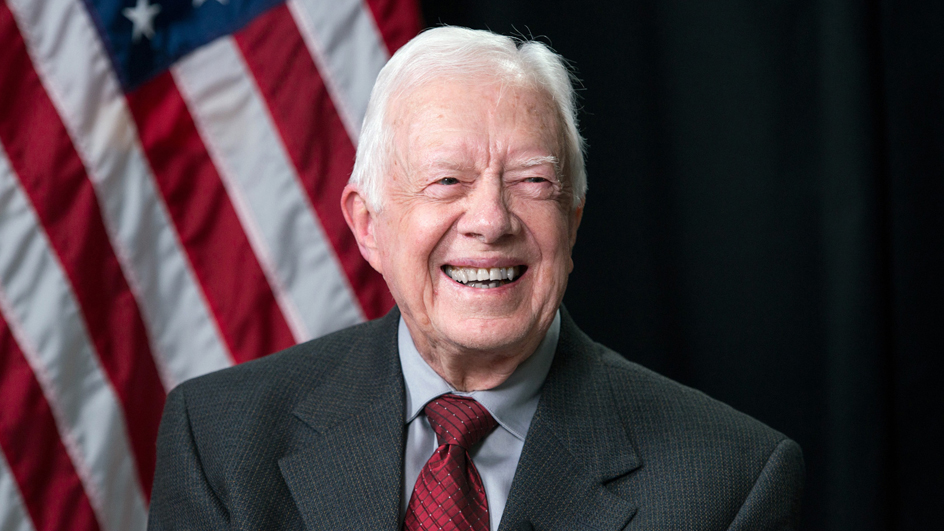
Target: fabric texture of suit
[(312, 438)]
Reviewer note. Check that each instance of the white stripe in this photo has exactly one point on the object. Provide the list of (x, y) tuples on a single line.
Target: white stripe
[(347, 47), (77, 75), (40, 308), (13, 513), (274, 209)]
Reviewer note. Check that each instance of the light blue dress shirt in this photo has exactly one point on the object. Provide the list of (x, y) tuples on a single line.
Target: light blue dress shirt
[(512, 404)]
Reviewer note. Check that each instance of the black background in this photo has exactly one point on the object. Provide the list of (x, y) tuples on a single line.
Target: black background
[(765, 220)]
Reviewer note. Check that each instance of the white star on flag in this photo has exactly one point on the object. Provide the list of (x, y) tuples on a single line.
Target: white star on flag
[(142, 17), (198, 3)]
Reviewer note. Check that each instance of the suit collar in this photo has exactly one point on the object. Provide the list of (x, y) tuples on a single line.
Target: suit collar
[(344, 466), (345, 462), (576, 445)]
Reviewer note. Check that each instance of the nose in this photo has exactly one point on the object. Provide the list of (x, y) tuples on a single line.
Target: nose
[(487, 216)]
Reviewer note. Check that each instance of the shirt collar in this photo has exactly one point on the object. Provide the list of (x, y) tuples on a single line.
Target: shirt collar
[(512, 403)]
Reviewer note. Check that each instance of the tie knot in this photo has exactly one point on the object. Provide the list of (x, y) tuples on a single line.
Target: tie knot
[(459, 420)]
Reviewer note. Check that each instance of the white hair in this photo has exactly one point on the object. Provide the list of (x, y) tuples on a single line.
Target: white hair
[(452, 51)]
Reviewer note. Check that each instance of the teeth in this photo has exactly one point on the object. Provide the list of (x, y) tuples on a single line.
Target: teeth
[(481, 277)]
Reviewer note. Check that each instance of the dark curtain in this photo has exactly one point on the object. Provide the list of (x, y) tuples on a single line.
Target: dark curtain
[(765, 220)]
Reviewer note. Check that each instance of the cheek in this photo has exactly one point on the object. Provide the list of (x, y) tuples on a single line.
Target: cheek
[(420, 232), (550, 228)]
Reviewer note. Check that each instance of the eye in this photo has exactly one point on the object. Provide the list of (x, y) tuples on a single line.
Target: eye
[(448, 181), (535, 187)]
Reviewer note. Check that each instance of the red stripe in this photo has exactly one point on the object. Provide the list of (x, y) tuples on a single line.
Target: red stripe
[(48, 482), (397, 20), (42, 155), (233, 282), (314, 137)]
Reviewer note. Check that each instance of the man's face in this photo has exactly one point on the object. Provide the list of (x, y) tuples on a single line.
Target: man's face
[(474, 191)]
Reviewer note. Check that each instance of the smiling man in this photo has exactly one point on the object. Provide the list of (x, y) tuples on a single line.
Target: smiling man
[(476, 403)]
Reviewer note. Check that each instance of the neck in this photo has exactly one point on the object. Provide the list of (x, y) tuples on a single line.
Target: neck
[(476, 370)]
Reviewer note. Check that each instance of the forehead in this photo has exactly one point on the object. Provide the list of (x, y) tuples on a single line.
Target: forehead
[(476, 112)]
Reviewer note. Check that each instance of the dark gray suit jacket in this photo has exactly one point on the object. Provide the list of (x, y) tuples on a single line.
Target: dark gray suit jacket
[(312, 438)]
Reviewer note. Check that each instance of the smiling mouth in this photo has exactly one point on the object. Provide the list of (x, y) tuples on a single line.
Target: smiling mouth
[(477, 277)]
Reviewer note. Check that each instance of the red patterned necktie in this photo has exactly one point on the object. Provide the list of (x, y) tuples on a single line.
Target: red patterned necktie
[(449, 494)]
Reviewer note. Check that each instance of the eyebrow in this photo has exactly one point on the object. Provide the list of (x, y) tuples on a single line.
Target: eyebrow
[(442, 164), (527, 163), (538, 161)]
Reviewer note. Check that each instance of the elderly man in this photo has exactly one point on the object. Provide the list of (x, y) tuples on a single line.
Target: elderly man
[(476, 403)]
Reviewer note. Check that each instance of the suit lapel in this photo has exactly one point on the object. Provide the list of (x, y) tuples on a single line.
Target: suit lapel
[(576, 444), (344, 465)]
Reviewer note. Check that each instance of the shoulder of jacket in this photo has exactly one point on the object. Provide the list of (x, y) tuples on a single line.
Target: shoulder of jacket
[(653, 402), (287, 374)]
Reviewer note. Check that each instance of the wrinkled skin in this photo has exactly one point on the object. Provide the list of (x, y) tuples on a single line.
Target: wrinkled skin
[(475, 182)]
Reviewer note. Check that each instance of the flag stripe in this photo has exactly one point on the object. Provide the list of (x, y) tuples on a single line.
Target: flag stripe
[(238, 293), (38, 147), (57, 347), (345, 44), (398, 21), (13, 513), (173, 243), (280, 222), (75, 69), (30, 441), (324, 155)]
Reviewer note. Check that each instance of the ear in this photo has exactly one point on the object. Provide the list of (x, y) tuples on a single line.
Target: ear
[(362, 220), (575, 216)]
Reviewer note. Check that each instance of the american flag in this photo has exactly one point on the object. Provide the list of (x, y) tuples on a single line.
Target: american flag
[(170, 178)]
